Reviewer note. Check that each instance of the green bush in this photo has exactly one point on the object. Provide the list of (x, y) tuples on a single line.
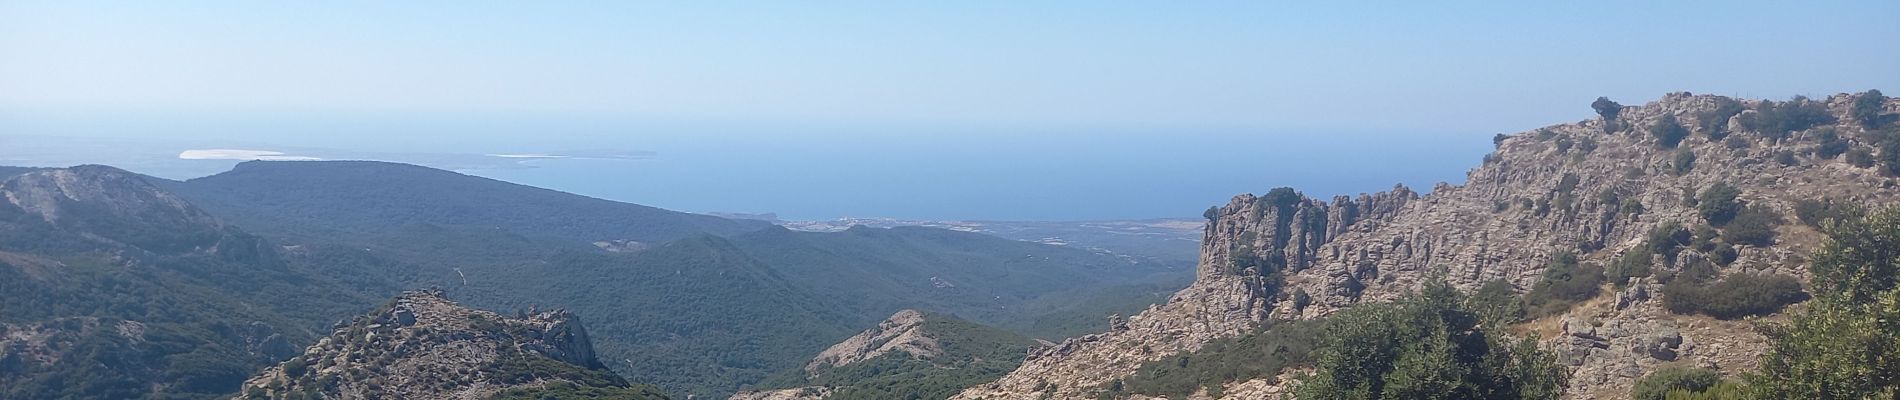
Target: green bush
[(1860, 157), (1714, 123), (1684, 162), (1496, 300), (1736, 296), (1704, 238), (1635, 262), (1753, 225), (1723, 255), (1777, 120), (1668, 238), (1846, 344), (1565, 282), (1718, 204), (1866, 109), (1657, 385), (1668, 132), (1428, 345), (1830, 144), (1816, 213), (1606, 108), (296, 367), (1259, 354), (1890, 157)]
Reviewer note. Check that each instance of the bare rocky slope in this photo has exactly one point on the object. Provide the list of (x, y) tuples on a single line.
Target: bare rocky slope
[(423, 346), (1595, 187), (912, 354)]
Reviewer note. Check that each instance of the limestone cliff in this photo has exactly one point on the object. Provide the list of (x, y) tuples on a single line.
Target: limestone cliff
[(1593, 187)]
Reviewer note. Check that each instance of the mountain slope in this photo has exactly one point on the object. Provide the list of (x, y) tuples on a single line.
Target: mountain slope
[(1597, 189), (423, 346), (702, 314), (367, 197), (987, 279), (912, 354), (113, 288)]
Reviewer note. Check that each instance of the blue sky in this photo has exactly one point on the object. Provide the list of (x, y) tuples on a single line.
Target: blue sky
[(495, 76)]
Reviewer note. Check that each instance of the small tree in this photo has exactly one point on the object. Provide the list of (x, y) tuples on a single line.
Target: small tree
[(1714, 123), (1428, 345), (1890, 156), (1846, 345), (1753, 225), (1718, 203), (1860, 157), (1867, 107), (1606, 108), (1668, 132)]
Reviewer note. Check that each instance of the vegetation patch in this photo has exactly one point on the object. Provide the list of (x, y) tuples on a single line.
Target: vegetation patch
[(1262, 353)]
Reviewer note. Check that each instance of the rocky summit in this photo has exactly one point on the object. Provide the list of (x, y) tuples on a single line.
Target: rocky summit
[(423, 346), (1641, 186)]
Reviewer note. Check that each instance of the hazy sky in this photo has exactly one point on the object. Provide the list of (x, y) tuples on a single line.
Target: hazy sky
[(474, 76)]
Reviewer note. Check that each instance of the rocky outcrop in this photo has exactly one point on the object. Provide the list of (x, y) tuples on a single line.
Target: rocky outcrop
[(113, 207), (902, 332), (423, 346), (1587, 187), (912, 354)]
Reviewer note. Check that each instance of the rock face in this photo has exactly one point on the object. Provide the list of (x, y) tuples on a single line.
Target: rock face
[(423, 346), (112, 206), (1574, 187), (902, 332)]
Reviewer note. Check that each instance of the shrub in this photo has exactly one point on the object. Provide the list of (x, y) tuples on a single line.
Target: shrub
[(1565, 283), (295, 367), (1786, 157), (1776, 120), (1498, 140), (1866, 109), (1860, 157), (1668, 132), (1567, 183), (1632, 206), (1668, 238), (1606, 108), (1738, 295), (1657, 385), (1714, 123), (1723, 255), (1683, 163), (1703, 238), (1718, 203), (1301, 300), (1564, 143), (1633, 263), (1815, 213), (1587, 144), (1261, 353), (1830, 143), (1754, 225), (1846, 344), (1496, 300), (1428, 344), (1282, 198), (1890, 156)]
